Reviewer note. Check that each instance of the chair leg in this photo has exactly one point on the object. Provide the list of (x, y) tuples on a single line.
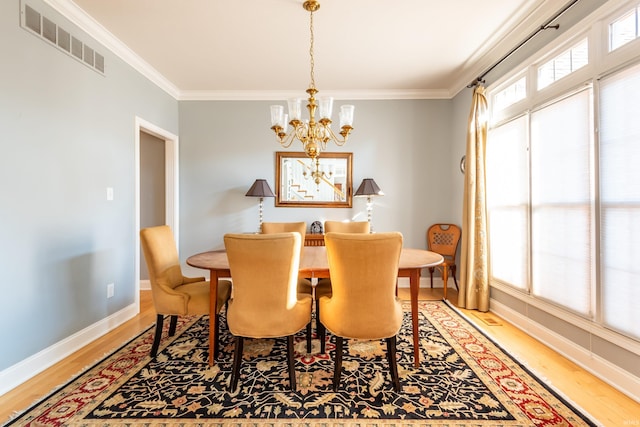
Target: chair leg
[(158, 335), (309, 337), (453, 273), (216, 342), (172, 325), (445, 277), (291, 363), (237, 360), (393, 366), (431, 275), (321, 330), (337, 370)]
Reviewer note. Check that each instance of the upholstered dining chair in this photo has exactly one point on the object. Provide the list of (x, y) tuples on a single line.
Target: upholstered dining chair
[(363, 303), (346, 227), (265, 301), (444, 239), (323, 287), (174, 294), (304, 285)]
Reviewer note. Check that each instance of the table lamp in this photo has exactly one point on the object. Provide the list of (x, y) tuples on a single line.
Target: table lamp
[(261, 189), (369, 188)]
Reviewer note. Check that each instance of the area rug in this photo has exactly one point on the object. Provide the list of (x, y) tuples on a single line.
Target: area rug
[(464, 379)]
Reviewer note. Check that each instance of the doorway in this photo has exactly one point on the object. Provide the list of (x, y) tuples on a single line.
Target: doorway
[(156, 158)]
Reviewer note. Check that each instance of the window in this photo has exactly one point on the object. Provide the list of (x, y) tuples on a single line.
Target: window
[(564, 64), (623, 30), (510, 95), (620, 199), (508, 202), (562, 194), (561, 202)]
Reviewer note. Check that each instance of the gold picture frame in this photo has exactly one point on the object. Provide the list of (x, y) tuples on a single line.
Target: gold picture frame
[(296, 186)]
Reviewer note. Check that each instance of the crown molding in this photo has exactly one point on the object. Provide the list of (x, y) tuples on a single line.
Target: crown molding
[(497, 46), (493, 49), (221, 95), (89, 25)]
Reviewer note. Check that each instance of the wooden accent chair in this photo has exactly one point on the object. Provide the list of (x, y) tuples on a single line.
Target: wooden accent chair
[(266, 302), (444, 239), (174, 294), (323, 287), (363, 304)]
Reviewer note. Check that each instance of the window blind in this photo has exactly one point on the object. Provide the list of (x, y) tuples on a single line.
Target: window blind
[(562, 202), (620, 199), (508, 202)]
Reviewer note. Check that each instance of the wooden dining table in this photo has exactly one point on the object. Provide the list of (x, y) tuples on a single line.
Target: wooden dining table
[(314, 264)]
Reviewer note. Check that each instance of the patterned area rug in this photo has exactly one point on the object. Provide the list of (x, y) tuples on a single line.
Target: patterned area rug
[(464, 380)]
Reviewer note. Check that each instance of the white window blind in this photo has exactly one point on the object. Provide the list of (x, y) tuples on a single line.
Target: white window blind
[(561, 202), (508, 202), (620, 199)]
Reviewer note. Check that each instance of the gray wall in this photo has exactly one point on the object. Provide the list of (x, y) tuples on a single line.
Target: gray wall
[(406, 146), (152, 187), (67, 135)]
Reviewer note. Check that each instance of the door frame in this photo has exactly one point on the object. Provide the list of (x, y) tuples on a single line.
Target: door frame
[(171, 187)]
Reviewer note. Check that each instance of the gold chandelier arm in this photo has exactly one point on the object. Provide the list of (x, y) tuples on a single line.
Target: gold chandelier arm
[(284, 139), (335, 138)]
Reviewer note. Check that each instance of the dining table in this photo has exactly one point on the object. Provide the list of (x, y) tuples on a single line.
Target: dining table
[(314, 264)]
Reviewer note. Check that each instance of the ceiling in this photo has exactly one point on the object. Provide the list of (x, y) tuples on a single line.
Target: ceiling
[(363, 49)]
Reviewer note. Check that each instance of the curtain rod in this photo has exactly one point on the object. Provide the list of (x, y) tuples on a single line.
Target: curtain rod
[(545, 26)]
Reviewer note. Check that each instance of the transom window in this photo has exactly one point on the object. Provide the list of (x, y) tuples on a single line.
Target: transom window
[(564, 64), (624, 29), (510, 95)]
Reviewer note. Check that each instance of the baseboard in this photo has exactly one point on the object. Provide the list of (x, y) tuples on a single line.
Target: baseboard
[(145, 285), (24, 370), (618, 378), (403, 282)]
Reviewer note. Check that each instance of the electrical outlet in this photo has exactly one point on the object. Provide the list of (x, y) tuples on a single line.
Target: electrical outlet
[(109, 193), (110, 290)]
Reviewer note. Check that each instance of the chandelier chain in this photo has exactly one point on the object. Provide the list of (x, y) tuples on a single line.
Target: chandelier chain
[(313, 79)]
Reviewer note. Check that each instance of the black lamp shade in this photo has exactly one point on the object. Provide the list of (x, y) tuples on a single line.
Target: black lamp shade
[(368, 187), (260, 188)]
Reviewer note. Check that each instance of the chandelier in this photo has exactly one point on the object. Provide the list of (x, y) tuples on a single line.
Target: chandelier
[(313, 135)]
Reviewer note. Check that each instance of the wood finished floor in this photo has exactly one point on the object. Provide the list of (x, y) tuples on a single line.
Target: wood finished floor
[(603, 402)]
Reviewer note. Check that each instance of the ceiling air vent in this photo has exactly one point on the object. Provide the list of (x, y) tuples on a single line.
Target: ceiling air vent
[(47, 30)]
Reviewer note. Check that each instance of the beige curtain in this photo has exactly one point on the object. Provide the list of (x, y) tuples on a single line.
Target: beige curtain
[(474, 256)]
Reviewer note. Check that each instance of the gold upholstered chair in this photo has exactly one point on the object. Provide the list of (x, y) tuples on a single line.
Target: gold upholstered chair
[(323, 287), (174, 294), (285, 227), (265, 301), (363, 304), (304, 285), (443, 239), (347, 227)]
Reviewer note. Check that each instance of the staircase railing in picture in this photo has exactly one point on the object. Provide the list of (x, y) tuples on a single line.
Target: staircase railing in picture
[(300, 176)]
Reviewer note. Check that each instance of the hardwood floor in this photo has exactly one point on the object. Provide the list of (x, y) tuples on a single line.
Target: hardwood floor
[(607, 405)]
